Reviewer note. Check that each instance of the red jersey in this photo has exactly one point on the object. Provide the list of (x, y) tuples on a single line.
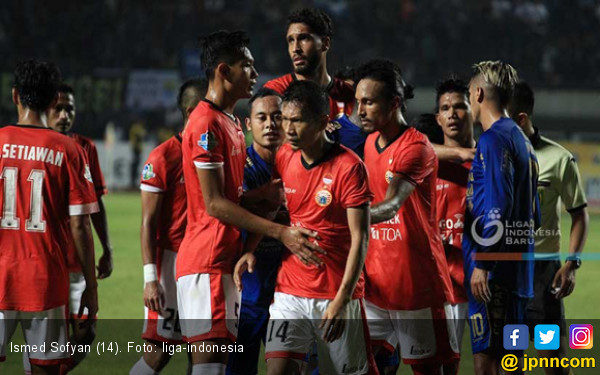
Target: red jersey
[(44, 179), (405, 267), (91, 153), (317, 198), (341, 94), (451, 189), (163, 175), (212, 139)]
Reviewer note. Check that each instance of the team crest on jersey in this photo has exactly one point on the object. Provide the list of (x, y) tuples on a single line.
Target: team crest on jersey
[(328, 179), (208, 141), (388, 176), (87, 174), (148, 172), (323, 198)]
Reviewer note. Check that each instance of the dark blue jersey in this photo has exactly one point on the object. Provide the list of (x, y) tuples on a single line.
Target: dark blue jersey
[(502, 208), (349, 135), (259, 286)]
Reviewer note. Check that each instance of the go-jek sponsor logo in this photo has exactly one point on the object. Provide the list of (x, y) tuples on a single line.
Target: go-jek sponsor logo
[(513, 232)]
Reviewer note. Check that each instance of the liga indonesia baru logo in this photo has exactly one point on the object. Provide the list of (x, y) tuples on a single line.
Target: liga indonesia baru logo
[(513, 232)]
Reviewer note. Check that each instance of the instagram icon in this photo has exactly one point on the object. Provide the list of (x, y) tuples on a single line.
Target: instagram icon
[(581, 336)]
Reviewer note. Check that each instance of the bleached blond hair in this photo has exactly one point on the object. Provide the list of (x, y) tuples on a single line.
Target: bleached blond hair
[(500, 76)]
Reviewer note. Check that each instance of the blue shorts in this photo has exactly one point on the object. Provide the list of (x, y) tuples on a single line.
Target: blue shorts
[(487, 321)]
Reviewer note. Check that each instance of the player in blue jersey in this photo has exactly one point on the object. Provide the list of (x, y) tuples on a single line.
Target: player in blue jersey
[(265, 125), (501, 217)]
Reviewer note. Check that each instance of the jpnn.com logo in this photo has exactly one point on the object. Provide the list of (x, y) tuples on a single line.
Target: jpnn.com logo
[(513, 233)]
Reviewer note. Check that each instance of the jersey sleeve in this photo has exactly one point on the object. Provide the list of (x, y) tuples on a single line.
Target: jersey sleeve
[(82, 197), (207, 143), (415, 162), (572, 193), (275, 85), (356, 190), (99, 184), (498, 170), (154, 175)]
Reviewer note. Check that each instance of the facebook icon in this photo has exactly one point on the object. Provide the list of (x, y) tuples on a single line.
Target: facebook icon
[(516, 337)]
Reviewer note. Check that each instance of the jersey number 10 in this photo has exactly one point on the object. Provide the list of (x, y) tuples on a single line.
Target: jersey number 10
[(9, 205)]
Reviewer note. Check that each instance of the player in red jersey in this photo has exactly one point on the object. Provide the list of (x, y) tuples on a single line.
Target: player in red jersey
[(455, 119), (46, 195), (408, 286), (326, 190), (213, 149), (61, 118), (163, 225)]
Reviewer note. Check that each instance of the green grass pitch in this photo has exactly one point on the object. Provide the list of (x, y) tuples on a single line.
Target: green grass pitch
[(121, 304)]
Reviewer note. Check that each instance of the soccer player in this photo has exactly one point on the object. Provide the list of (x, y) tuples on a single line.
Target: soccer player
[(163, 225), (456, 122), (309, 35), (213, 168), (327, 191), (62, 118), (501, 196), (267, 136), (47, 195), (408, 287), (558, 183)]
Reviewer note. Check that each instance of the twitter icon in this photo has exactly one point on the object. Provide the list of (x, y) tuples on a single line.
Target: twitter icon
[(547, 337)]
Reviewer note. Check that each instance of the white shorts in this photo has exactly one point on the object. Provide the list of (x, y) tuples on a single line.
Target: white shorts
[(294, 327), (159, 327), (45, 329), (76, 289), (461, 314), (209, 307), (424, 335)]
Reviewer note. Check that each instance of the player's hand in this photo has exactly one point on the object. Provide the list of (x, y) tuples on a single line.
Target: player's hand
[(246, 262), (105, 265), (564, 281), (333, 321), (89, 299), (479, 286), (466, 154), (154, 296), (332, 126), (296, 240)]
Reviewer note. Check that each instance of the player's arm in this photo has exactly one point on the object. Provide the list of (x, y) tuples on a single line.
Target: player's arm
[(151, 211), (460, 154), (100, 222), (84, 244), (572, 195), (499, 195), (333, 319), (399, 189), (218, 206)]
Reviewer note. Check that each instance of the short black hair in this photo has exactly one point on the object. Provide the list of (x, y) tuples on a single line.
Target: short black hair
[(390, 74), (37, 83), (318, 21), (451, 84), (222, 46), (427, 124), (523, 100), (65, 88), (263, 92), (346, 73), (184, 97), (314, 100)]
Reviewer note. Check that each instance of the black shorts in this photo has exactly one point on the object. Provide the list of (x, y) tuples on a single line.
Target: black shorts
[(544, 308)]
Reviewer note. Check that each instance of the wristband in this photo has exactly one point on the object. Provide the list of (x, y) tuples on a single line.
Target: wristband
[(150, 273)]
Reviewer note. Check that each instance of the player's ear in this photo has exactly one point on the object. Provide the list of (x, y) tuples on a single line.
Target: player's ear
[(223, 70), (437, 119), (522, 118), (324, 120), (247, 121), (15, 96), (325, 43), (54, 101), (480, 94), (396, 102)]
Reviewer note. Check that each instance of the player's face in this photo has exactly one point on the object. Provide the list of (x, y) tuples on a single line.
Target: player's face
[(454, 115), (302, 132), (62, 116), (374, 108), (242, 76), (265, 122), (304, 48)]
